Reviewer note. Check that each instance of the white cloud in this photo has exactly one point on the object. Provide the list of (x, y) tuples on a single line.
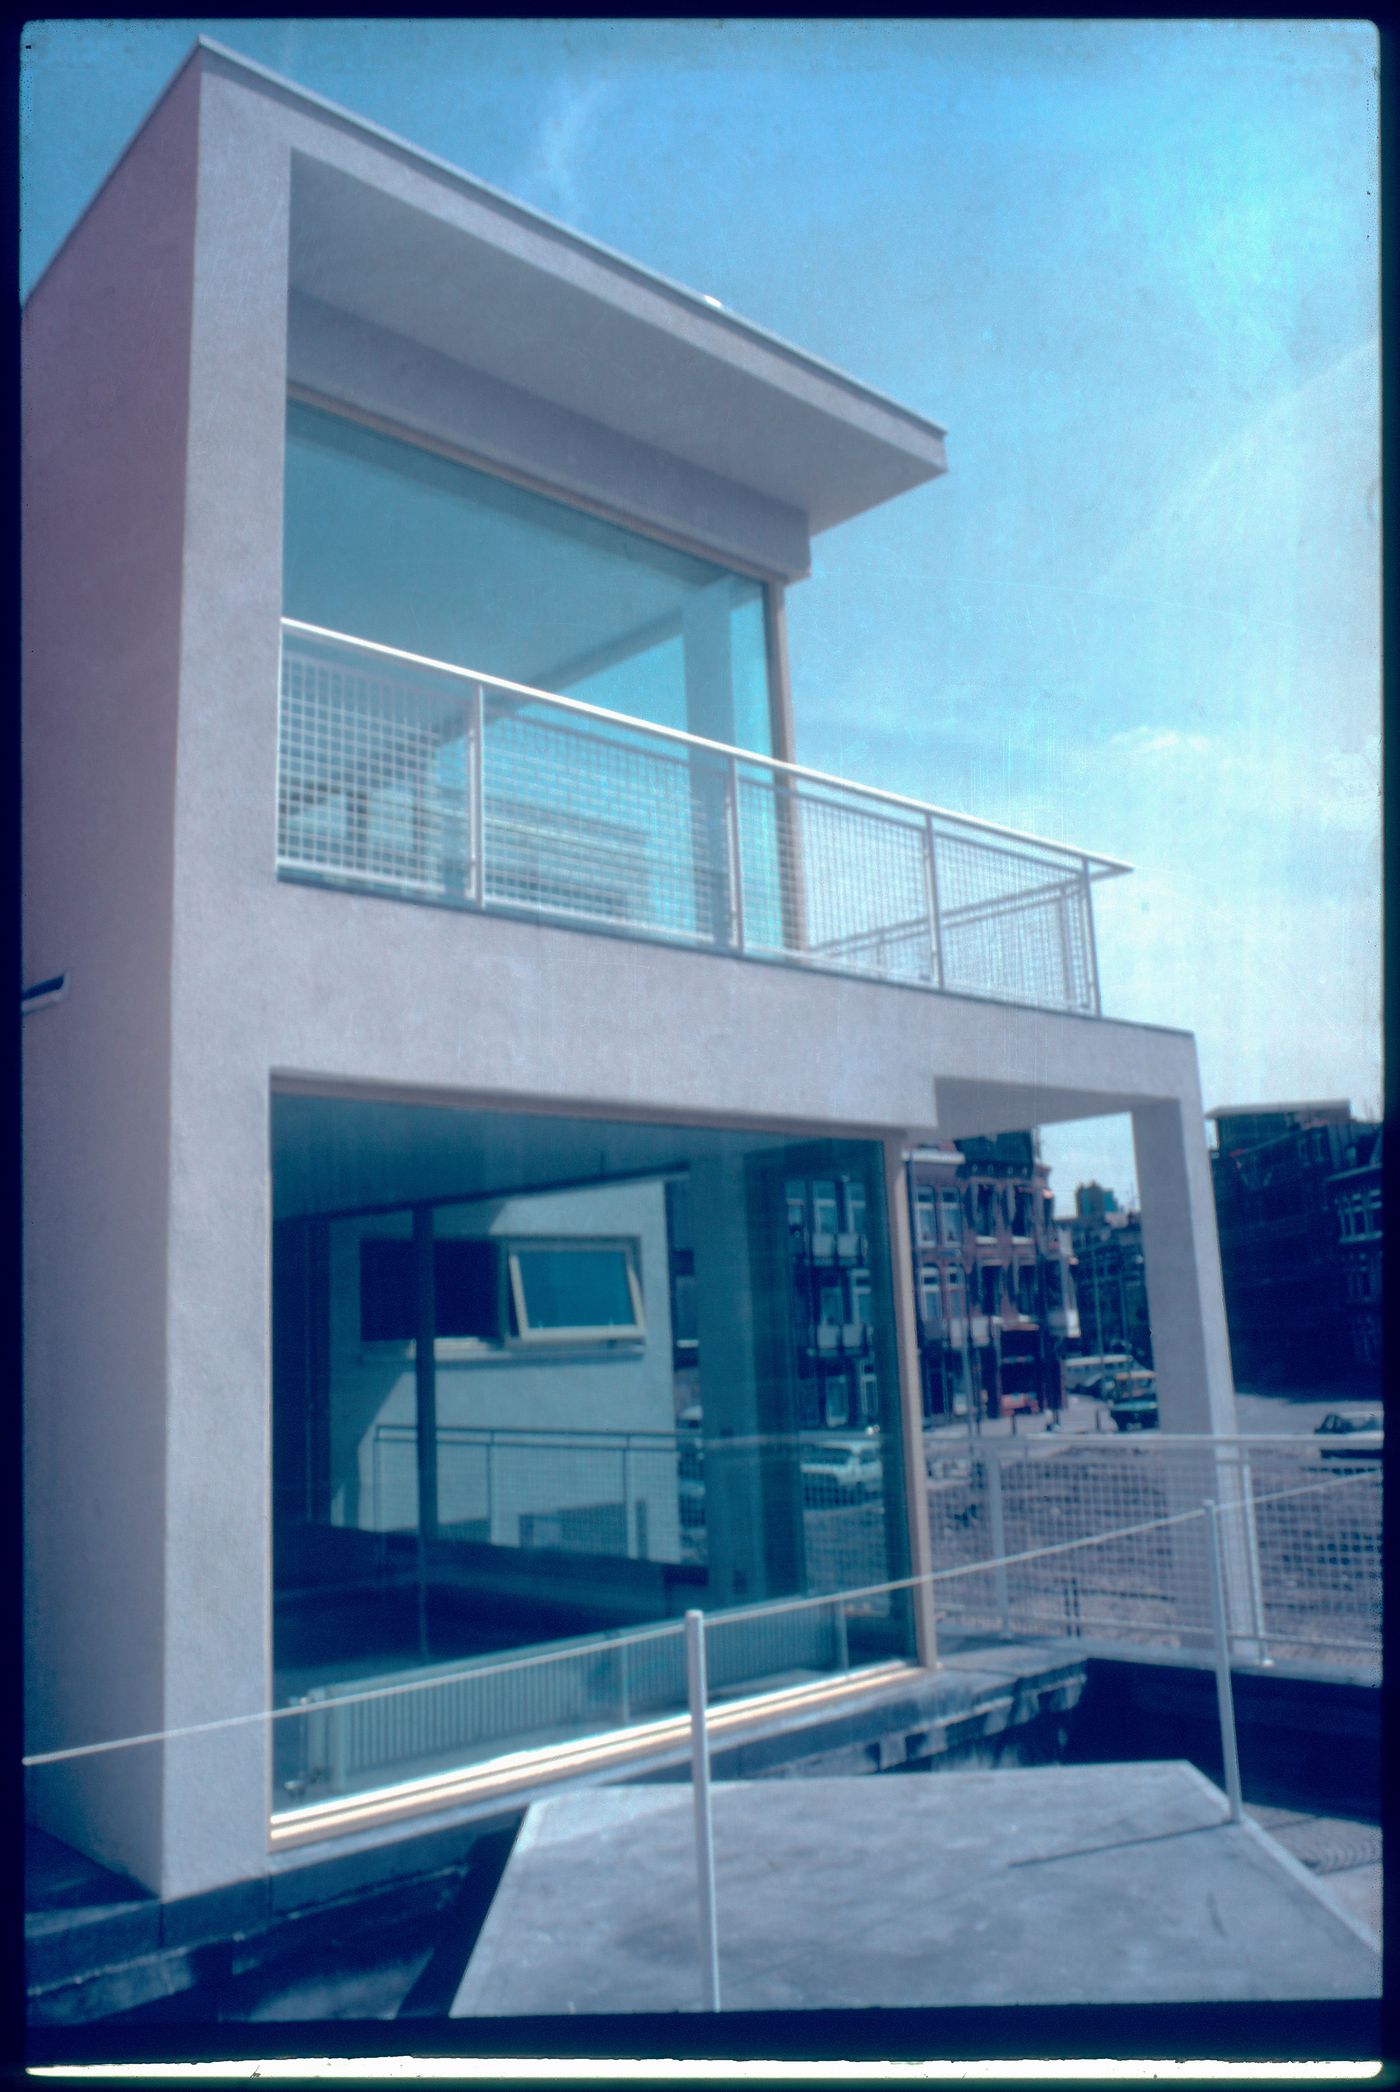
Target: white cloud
[(553, 172)]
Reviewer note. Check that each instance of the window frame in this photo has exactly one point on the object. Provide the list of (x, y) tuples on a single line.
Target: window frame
[(524, 1337)]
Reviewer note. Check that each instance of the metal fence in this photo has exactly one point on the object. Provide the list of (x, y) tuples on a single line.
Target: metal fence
[(417, 779), (1303, 1552), (1313, 1536)]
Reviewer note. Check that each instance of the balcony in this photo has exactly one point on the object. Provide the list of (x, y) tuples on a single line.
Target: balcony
[(423, 781)]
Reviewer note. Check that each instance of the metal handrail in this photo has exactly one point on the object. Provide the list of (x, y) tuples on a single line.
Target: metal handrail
[(1093, 863), (605, 1643)]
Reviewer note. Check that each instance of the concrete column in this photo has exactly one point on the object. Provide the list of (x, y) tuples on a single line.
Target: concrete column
[(217, 1643), (1190, 1338), (106, 395), (911, 1408), (739, 1423), (709, 710), (1191, 1353)]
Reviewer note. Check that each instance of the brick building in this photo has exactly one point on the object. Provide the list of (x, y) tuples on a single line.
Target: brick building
[(995, 1293), (1280, 1212), (1356, 1204), (1110, 1276)]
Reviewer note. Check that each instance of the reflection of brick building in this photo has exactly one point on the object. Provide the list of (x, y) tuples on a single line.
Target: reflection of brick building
[(1356, 1204), (995, 1295), (1110, 1276), (1281, 1249), (837, 1384)]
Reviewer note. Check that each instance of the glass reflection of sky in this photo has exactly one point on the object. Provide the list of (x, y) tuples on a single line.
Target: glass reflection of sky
[(389, 542)]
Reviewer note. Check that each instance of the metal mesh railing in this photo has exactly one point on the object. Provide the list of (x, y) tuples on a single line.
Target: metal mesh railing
[(371, 774), (360, 1734), (418, 779), (1303, 1552), (1014, 924)]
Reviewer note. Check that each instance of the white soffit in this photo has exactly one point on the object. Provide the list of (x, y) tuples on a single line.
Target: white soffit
[(440, 259)]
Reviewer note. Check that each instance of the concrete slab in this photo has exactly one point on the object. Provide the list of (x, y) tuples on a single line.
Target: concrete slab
[(1099, 1884)]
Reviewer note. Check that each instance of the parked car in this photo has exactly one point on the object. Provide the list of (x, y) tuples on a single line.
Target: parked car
[(1096, 1375), (841, 1470)]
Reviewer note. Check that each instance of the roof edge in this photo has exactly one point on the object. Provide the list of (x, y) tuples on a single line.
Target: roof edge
[(526, 214)]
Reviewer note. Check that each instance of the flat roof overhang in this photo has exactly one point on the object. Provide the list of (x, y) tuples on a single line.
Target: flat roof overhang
[(443, 260)]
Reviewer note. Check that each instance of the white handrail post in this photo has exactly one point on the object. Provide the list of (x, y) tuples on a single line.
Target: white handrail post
[(700, 1793), (1095, 992), (843, 1647), (1252, 1557), (1224, 1684), (736, 858), (990, 1454), (476, 785), (1066, 950), (935, 917)]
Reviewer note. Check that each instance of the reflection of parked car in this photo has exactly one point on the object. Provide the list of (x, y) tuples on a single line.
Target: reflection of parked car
[(1096, 1375), (1020, 1405), (1351, 1437), (841, 1471), (1135, 1412)]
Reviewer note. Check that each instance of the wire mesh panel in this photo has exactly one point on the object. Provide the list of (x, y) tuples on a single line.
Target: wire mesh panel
[(418, 780), (372, 774), (1300, 1544), (832, 882), (1319, 1555), (1015, 923), (594, 824)]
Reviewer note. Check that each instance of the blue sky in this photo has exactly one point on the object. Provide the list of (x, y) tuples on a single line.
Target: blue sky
[(1132, 267)]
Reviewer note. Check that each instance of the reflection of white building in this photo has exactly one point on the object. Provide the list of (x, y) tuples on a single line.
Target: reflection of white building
[(541, 1425), (310, 417)]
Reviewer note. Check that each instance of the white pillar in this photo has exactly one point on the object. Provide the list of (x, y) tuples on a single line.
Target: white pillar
[(1186, 1300), (1191, 1356)]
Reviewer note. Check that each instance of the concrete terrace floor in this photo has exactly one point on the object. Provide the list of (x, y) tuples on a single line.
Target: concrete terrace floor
[(1103, 1884)]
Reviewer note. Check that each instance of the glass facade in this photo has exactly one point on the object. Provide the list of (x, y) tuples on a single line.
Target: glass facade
[(390, 542), (542, 1385)]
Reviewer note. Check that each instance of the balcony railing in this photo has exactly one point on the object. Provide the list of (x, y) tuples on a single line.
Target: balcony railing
[(413, 778)]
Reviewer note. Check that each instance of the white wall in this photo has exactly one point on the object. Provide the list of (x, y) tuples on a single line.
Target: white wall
[(106, 397)]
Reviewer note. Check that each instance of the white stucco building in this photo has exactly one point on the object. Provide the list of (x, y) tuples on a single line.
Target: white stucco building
[(460, 976)]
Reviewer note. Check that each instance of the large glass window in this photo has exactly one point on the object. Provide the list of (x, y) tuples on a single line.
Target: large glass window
[(540, 1386), (390, 542)]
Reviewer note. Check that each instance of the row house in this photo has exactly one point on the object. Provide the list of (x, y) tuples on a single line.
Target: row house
[(1274, 1168), (1356, 1193), (1114, 1316), (996, 1292)]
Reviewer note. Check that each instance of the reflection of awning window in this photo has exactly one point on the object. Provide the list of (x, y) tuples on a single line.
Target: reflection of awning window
[(493, 1294), (574, 1292)]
